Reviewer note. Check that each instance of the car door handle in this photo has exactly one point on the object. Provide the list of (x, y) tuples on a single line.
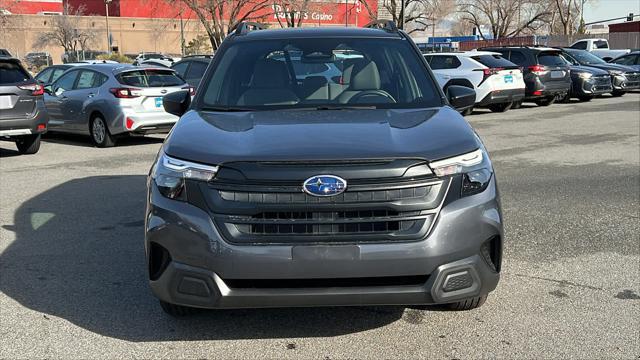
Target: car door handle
[(91, 95)]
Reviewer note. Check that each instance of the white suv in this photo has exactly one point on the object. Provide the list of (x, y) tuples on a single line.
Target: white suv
[(498, 82)]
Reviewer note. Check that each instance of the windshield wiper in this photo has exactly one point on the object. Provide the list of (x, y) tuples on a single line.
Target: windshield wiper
[(346, 107), (225, 108)]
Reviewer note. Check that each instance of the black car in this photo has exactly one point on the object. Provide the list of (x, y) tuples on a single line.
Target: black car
[(587, 83), (38, 59), (632, 59), (623, 78), (5, 53), (23, 117), (362, 185), (192, 68), (546, 74)]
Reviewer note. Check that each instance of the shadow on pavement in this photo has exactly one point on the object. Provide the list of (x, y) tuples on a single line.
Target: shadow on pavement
[(85, 140), (79, 255)]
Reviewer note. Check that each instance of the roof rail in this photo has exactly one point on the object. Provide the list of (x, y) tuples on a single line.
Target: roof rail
[(386, 25), (246, 26)]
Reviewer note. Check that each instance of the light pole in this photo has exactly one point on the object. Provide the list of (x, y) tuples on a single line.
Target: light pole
[(401, 17), (106, 8)]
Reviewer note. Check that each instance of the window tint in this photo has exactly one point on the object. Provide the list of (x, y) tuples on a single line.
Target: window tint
[(65, 83), (582, 45), (585, 57), (86, 79), (262, 75), (518, 58), (45, 75), (551, 59), (12, 73), (196, 70), (626, 60), (150, 78), (494, 61), (444, 62), (181, 68), (601, 44)]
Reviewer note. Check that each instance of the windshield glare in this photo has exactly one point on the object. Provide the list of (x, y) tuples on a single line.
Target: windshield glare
[(303, 73), (586, 58)]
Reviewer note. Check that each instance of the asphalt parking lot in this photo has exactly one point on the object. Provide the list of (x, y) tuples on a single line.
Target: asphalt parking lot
[(73, 278)]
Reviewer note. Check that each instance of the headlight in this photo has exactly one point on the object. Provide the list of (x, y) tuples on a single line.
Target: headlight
[(169, 175), (585, 75), (616, 72), (475, 168)]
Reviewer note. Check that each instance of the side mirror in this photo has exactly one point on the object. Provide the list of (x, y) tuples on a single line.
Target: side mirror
[(48, 89), (177, 103), (461, 97)]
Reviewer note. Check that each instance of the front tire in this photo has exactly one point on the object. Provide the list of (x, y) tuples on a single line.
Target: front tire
[(546, 101), (516, 104), (468, 111), (566, 99), (618, 93), (28, 144), (500, 107), (468, 304), (175, 310), (100, 133)]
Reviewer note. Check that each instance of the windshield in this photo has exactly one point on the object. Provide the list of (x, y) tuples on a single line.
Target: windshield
[(585, 58), (335, 73)]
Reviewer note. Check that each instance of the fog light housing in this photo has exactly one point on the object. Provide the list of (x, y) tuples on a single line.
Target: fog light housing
[(475, 181)]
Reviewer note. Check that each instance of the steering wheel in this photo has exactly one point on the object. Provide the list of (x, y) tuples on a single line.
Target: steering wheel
[(356, 98)]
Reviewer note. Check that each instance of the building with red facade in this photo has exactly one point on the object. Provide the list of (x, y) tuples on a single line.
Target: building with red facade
[(321, 12)]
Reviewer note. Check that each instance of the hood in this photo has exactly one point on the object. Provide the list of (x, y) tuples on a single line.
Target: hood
[(608, 67), (299, 135), (588, 69)]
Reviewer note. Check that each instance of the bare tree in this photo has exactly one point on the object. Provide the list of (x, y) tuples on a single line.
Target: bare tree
[(218, 17), (569, 16), (418, 14), (506, 17), (67, 32), (461, 27)]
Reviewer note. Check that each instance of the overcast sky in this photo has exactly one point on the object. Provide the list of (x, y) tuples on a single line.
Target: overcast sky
[(607, 9)]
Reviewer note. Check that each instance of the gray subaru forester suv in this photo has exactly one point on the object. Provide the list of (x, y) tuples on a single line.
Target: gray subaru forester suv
[(321, 167)]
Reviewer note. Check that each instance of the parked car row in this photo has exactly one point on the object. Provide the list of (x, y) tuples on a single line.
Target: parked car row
[(504, 77), (105, 100)]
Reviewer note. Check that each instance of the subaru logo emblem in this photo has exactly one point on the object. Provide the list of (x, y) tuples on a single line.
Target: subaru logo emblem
[(163, 91), (324, 185)]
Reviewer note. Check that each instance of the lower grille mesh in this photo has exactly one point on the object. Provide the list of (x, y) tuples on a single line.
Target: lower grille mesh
[(327, 223)]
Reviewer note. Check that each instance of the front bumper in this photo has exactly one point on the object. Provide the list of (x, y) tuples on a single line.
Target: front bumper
[(502, 96), (591, 87), (203, 270), (624, 83)]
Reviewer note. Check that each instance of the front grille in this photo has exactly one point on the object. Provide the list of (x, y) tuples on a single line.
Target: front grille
[(603, 80), (327, 223), (277, 211), (299, 197)]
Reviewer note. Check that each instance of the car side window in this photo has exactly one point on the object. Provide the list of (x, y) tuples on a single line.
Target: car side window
[(196, 70), (582, 45), (100, 79), (56, 74), (181, 68), (444, 62), (626, 60), (86, 79), (45, 75), (517, 57), (65, 83)]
